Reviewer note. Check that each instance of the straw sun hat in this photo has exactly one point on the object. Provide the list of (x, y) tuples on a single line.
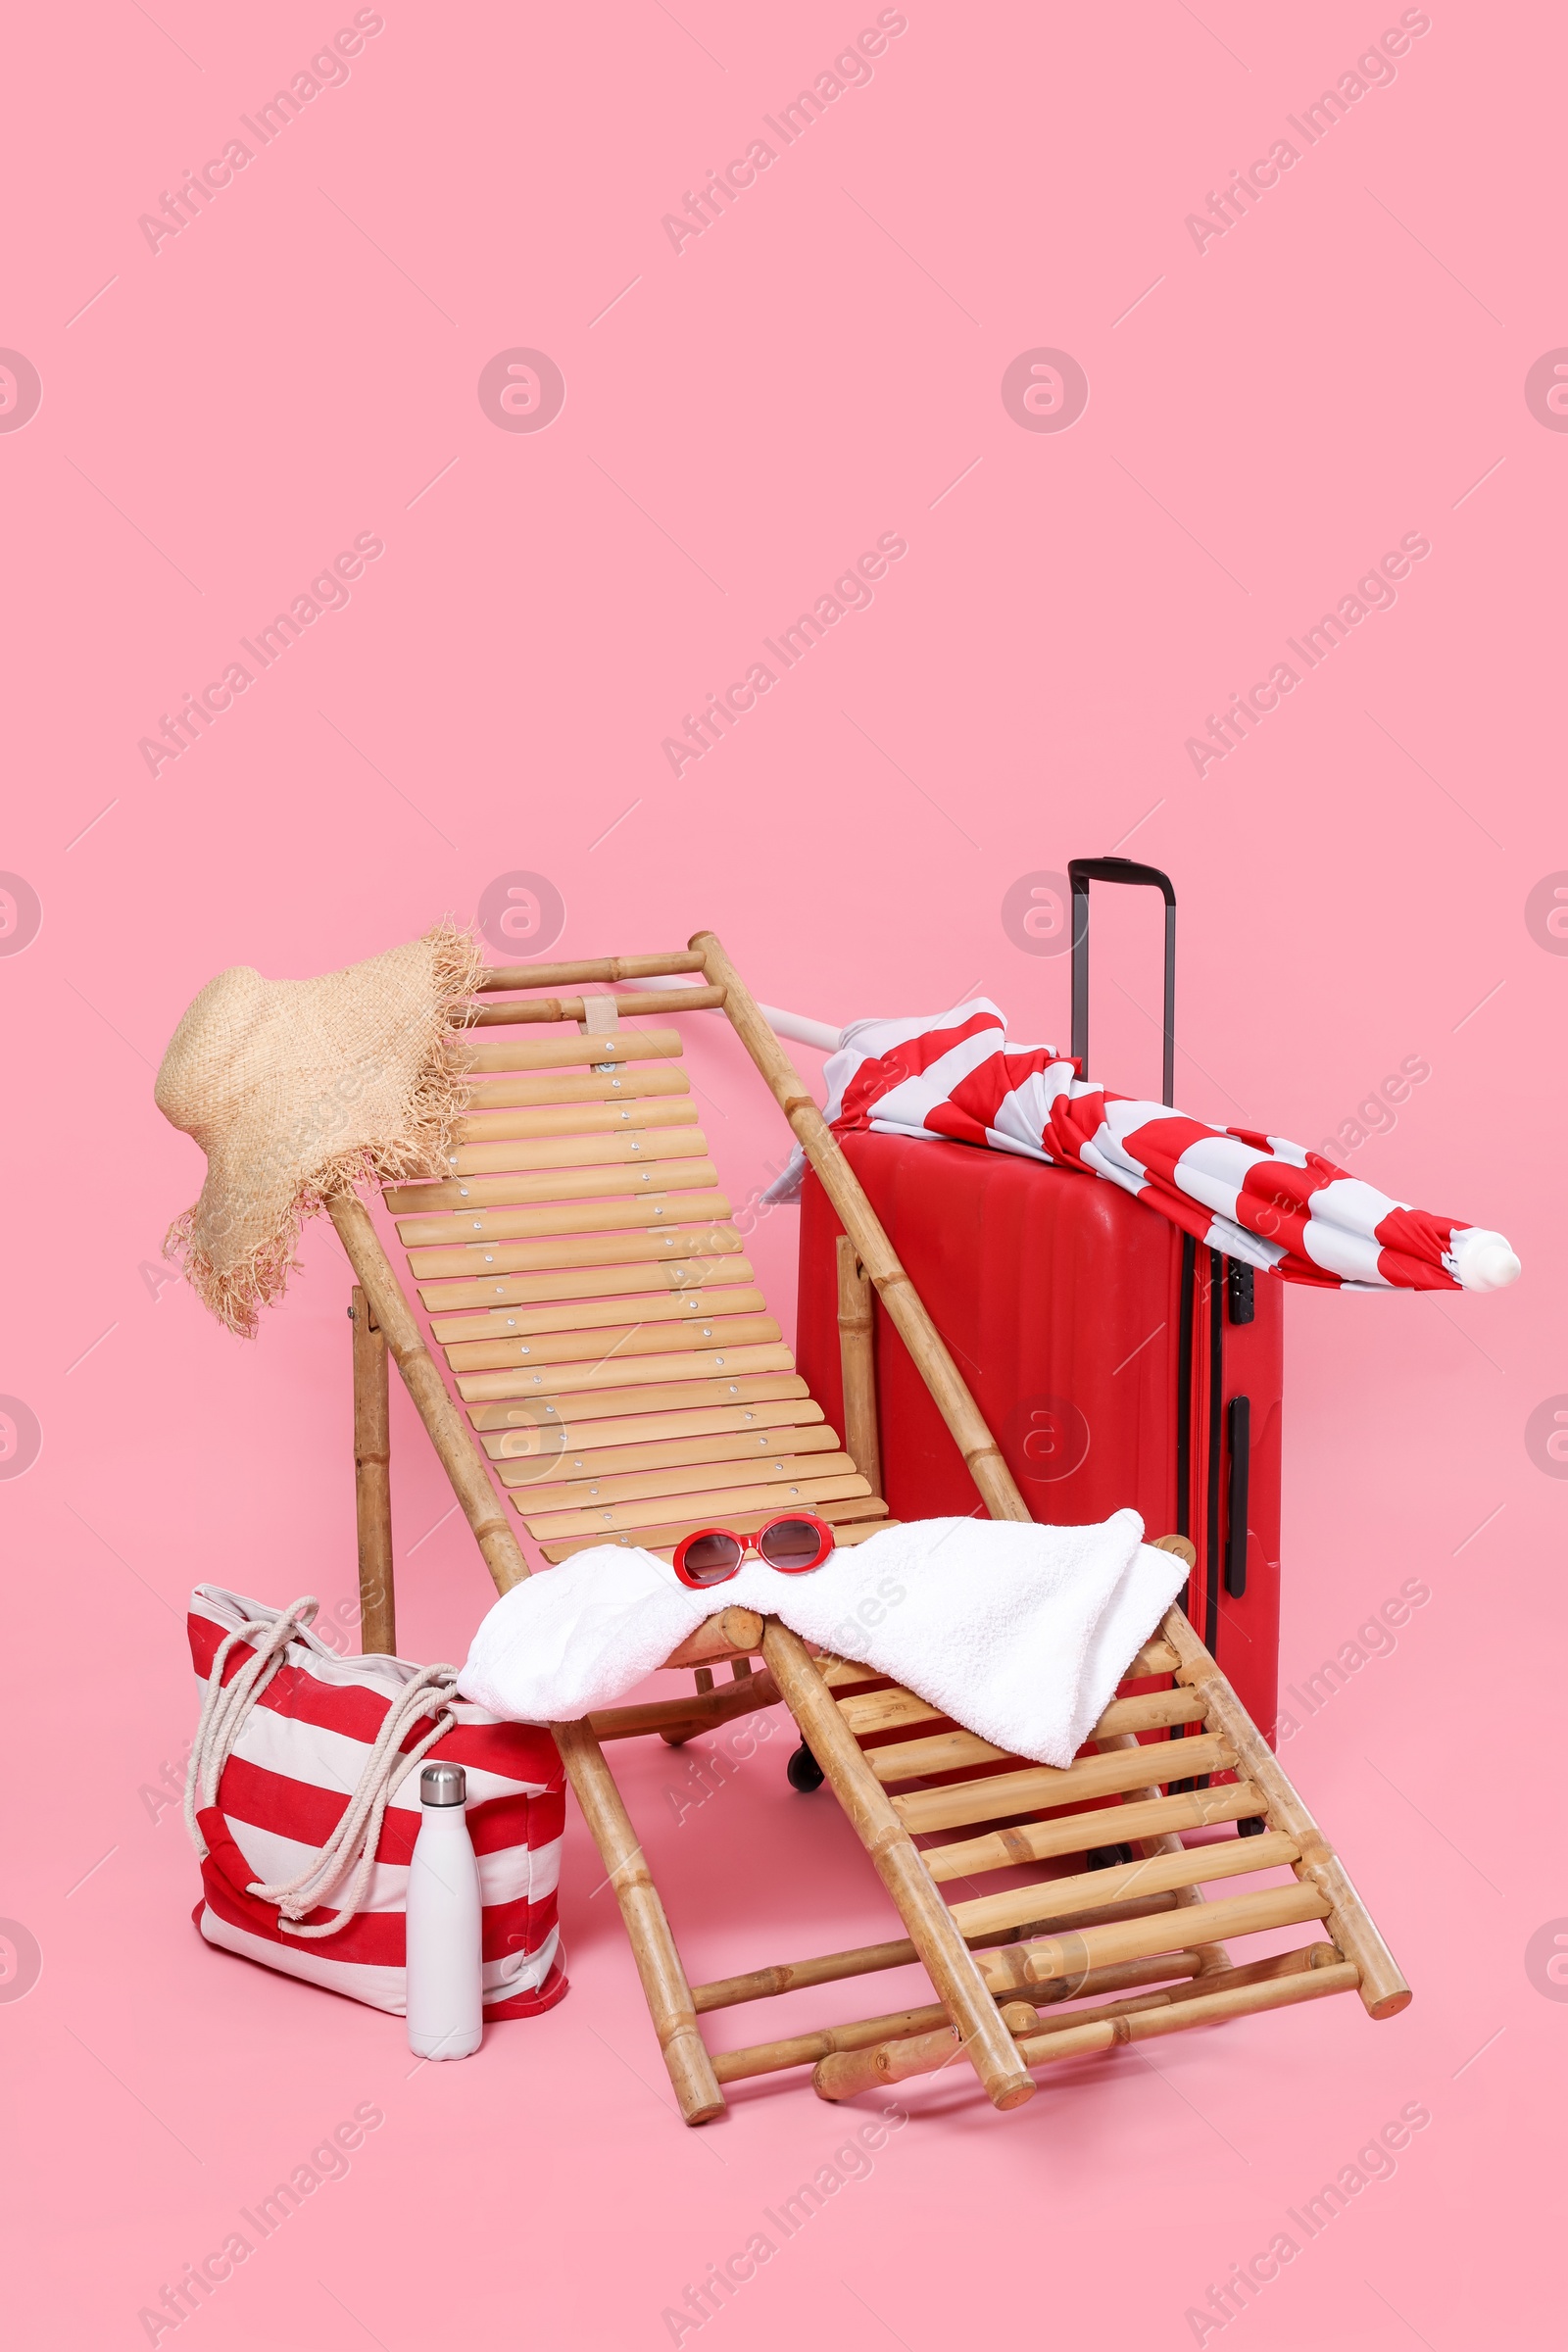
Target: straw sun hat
[(296, 1088)]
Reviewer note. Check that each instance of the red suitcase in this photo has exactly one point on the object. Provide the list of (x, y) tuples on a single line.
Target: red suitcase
[(1116, 1362)]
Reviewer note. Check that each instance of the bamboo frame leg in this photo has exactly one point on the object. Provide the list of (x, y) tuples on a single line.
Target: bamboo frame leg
[(949, 1962), (663, 1980), (861, 1222), (858, 1361), (658, 1963), (458, 1457), (1384, 1990), (373, 1490)]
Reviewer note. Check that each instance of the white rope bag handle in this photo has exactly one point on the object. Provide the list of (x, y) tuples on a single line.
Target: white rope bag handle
[(224, 1712)]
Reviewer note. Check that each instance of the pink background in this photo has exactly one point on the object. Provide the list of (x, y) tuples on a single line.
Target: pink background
[(1344, 365)]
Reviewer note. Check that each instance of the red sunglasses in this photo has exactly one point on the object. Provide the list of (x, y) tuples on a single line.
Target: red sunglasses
[(792, 1543)]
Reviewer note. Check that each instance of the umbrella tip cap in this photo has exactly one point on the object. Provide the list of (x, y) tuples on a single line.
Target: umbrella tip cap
[(1484, 1262)]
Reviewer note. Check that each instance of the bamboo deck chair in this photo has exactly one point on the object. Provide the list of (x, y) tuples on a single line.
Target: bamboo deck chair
[(589, 1288)]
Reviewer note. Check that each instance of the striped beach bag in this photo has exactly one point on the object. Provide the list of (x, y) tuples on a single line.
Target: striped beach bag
[(302, 1801)]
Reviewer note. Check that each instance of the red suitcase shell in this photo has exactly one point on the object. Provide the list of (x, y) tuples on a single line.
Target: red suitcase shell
[(1061, 1300)]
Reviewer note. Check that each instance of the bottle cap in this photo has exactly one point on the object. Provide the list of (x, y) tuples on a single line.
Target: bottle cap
[(443, 1785)]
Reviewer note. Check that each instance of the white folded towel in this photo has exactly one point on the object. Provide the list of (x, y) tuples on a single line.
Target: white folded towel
[(1019, 1631)]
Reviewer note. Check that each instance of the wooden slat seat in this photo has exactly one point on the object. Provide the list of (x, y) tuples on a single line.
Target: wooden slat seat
[(594, 1302), (554, 1313)]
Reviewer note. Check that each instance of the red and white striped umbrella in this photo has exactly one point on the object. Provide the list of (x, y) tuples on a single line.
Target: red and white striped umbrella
[(1257, 1198)]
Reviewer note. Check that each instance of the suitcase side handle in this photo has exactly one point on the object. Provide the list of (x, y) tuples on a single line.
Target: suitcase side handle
[(1239, 1413), (1081, 871)]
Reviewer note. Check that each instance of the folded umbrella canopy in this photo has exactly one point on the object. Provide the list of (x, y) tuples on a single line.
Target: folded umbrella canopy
[(1257, 1198)]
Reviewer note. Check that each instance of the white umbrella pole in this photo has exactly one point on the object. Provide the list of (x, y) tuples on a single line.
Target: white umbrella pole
[(796, 1026), (792, 1026)]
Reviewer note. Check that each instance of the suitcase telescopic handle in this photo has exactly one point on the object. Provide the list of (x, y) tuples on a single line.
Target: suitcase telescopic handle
[(1081, 871)]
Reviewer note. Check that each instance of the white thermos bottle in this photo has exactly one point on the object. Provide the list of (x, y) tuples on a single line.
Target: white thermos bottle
[(445, 1987)]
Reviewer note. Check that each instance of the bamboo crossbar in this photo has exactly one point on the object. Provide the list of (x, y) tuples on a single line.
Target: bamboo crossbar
[(1079, 2008), (805, 2049), (608, 1431), (663, 1135), (956, 1752), (584, 1465), (1203, 2009), (1078, 1833), (590, 1316), (851, 1521), (498, 976), (663, 1485), (576, 1285), (1018, 1966), (794, 1975), (678, 1719), (652, 1500), (566, 1087), (1039, 1786), (856, 2064), (731, 1634), (612, 1370), (893, 1710), (576, 1009), (1151, 1874), (471, 1056), (679, 1169), (870, 1959), (562, 1254), (531, 1122)]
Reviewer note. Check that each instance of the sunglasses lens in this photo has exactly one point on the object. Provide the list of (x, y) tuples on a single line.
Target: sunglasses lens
[(710, 1558), (790, 1544)]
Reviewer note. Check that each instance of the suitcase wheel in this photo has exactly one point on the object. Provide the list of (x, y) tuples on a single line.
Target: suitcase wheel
[(1106, 1857), (803, 1770), (1252, 1827)]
